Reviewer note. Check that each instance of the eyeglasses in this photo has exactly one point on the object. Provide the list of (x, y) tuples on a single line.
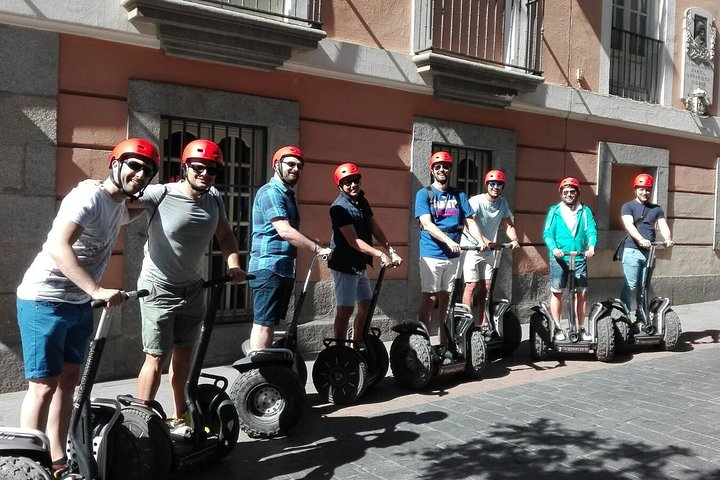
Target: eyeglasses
[(346, 182), (495, 184), (136, 166), (569, 192), (201, 167), (291, 165), (442, 166)]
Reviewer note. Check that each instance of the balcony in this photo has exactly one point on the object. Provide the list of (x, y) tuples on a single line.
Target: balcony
[(258, 34), (635, 66), (479, 52)]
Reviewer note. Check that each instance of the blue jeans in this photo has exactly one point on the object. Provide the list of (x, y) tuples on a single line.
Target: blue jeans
[(633, 261)]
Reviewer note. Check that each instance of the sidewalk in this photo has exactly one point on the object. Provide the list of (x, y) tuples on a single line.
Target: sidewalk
[(647, 415)]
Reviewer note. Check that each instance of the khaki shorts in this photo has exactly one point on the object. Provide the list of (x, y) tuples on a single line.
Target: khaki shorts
[(170, 316), (477, 267), (438, 275)]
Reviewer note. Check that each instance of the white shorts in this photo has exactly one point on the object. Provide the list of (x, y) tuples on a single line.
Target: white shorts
[(437, 275), (477, 267)]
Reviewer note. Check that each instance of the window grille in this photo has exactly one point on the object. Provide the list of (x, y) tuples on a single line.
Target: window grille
[(469, 167)]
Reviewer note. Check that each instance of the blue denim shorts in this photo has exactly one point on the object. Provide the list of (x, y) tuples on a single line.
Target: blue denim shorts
[(351, 288), (559, 275), (271, 297), (53, 333)]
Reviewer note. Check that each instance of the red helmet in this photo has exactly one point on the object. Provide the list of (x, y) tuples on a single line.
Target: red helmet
[(643, 180), (495, 176), (135, 146), (345, 170), (440, 157), (202, 150), (288, 151), (569, 182)]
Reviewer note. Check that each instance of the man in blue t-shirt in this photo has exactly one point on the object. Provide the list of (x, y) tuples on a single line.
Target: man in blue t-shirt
[(443, 211), (640, 216)]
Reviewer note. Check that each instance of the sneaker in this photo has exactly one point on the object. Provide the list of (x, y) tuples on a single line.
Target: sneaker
[(559, 335), (584, 335), (180, 425)]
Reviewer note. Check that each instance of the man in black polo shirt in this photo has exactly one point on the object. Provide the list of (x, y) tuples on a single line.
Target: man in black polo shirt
[(353, 228), (639, 217)]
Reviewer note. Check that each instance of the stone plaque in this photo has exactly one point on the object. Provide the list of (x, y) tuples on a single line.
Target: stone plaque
[(698, 60)]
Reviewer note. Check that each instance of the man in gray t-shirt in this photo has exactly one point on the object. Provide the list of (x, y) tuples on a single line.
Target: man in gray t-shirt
[(184, 217), (491, 210)]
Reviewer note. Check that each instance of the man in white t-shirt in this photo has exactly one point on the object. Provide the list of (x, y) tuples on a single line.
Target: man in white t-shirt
[(53, 300), (491, 210)]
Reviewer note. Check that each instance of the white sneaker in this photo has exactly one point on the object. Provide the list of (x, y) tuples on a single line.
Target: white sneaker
[(559, 335), (585, 336)]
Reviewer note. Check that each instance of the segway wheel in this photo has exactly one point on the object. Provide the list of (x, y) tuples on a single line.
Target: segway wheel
[(124, 451), (512, 334), (378, 360), (220, 419), (410, 360), (300, 368), (672, 331), (340, 374), (539, 336), (477, 354), (605, 333), (621, 331), (153, 440), (269, 400), (22, 468)]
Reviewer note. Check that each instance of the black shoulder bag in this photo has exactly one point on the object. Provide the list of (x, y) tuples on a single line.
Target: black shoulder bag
[(620, 249)]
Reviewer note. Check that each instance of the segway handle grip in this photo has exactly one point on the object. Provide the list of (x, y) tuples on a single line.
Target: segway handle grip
[(499, 246), (223, 280), (131, 295)]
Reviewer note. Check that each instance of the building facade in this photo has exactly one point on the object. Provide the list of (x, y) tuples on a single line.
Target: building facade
[(543, 89)]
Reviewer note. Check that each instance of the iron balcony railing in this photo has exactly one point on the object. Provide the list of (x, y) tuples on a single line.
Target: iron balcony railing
[(635, 66), (506, 33), (299, 12)]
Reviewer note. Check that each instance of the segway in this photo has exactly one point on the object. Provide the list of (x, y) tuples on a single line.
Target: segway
[(504, 332), (661, 327), (346, 368), (600, 327), (214, 428), (100, 446), (414, 361), (269, 392)]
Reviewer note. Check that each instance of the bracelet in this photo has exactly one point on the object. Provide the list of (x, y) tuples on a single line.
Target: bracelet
[(316, 248), (391, 250)]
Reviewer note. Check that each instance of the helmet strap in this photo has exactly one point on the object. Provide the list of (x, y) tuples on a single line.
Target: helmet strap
[(117, 181), (186, 178)]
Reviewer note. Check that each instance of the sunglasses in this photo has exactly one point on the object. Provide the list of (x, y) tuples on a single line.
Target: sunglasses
[(136, 166), (569, 192), (201, 167), (442, 166), (346, 182), (496, 184), (291, 165)]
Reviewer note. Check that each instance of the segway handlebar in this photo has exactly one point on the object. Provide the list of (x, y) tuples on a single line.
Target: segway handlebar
[(132, 295), (213, 282)]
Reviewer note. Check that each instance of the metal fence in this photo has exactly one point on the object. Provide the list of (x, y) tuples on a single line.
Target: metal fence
[(635, 66), (300, 12), (501, 32)]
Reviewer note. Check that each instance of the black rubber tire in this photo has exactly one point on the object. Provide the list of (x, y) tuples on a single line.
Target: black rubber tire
[(477, 354), (300, 368), (621, 332), (153, 439), (22, 468), (340, 374), (378, 359), (605, 335), (539, 336), (123, 450), (672, 331), (410, 360), (512, 334), (269, 400), (220, 418)]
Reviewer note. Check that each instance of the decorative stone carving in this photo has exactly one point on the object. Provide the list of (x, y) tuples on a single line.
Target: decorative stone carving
[(698, 61)]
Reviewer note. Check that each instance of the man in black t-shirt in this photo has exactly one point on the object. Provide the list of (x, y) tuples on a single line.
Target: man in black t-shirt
[(640, 216), (353, 228)]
